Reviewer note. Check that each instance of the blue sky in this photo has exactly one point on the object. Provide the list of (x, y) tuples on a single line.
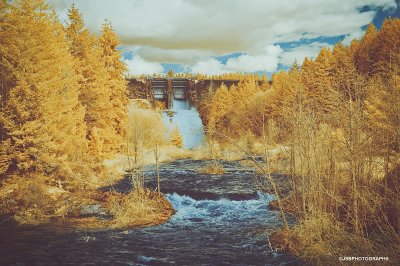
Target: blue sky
[(219, 36)]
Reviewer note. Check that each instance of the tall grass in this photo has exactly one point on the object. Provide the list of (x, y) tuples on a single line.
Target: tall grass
[(213, 168)]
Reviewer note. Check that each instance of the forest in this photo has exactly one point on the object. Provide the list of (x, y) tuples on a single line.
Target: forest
[(337, 122), (64, 110), (330, 125)]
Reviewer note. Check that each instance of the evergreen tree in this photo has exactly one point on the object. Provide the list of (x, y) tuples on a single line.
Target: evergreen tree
[(115, 68), (176, 138), (344, 72), (170, 73), (221, 105), (317, 78), (363, 56), (42, 118), (95, 92), (384, 50)]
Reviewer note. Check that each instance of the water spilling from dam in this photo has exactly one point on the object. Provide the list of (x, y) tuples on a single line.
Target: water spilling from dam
[(186, 118)]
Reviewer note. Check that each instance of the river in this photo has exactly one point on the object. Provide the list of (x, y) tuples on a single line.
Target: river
[(219, 220)]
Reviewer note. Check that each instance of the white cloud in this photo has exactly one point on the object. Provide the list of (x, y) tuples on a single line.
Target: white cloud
[(357, 34), (138, 66), (267, 61), (298, 53), (189, 32), (209, 67)]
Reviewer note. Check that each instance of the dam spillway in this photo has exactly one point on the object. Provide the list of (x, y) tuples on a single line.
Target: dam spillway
[(167, 90)]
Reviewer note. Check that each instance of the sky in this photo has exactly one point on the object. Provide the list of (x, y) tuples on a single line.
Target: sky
[(221, 36)]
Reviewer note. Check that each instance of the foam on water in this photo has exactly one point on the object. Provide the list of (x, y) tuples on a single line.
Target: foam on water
[(188, 121), (218, 212)]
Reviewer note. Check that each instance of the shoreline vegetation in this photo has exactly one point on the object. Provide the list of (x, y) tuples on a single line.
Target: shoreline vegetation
[(63, 114), (335, 125)]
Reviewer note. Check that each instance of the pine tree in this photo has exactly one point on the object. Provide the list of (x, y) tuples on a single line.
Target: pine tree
[(344, 72), (363, 56), (43, 120), (95, 92), (205, 104), (354, 45), (176, 138), (281, 89), (317, 78), (5, 60), (287, 89), (170, 73), (221, 105), (5, 51), (384, 50), (115, 68), (243, 92)]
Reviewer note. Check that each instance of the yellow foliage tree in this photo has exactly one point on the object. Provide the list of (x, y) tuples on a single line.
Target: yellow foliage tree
[(111, 58), (95, 93), (145, 129), (176, 138), (42, 118), (363, 56), (384, 50), (221, 105), (317, 79)]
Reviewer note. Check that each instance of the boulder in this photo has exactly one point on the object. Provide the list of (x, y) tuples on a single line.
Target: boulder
[(93, 210)]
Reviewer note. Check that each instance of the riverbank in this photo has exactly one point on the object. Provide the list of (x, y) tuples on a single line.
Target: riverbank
[(119, 210), (38, 201), (219, 219), (34, 203)]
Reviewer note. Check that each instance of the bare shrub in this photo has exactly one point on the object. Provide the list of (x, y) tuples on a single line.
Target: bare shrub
[(145, 130)]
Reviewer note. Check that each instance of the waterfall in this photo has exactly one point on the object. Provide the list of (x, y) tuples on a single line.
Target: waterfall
[(188, 121)]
